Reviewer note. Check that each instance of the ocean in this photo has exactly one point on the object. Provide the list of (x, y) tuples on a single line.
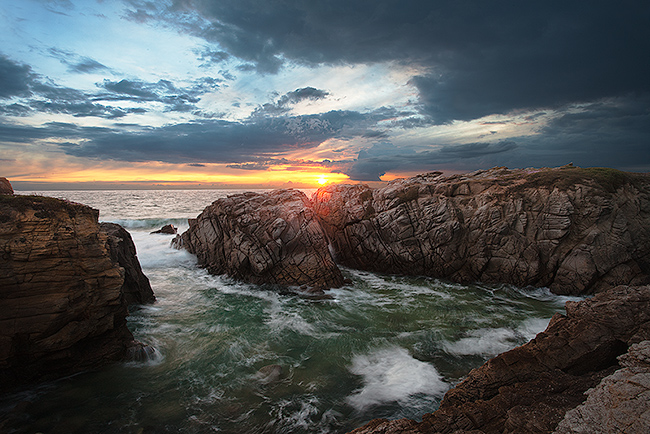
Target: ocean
[(383, 346)]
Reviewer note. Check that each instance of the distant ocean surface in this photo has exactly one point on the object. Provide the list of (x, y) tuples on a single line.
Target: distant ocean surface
[(383, 346)]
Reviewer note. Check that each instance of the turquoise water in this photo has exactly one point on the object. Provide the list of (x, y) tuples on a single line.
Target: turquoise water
[(382, 346)]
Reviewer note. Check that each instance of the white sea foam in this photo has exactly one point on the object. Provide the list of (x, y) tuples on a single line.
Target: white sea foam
[(492, 341), (391, 374)]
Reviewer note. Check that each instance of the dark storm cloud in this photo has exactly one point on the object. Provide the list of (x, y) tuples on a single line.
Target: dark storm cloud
[(284, 103), (218, 141), (383, 157), (483, 57), (164, 91), (14, 78)]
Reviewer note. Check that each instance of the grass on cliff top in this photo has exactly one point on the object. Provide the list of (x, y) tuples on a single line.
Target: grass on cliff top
[(564, 177)]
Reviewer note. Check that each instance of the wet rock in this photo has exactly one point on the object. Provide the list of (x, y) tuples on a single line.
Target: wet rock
[(532, 387), (136, 287), (576, 231), (61, 303), (167, 229), (620, 403), (264, 238), (5, 187)]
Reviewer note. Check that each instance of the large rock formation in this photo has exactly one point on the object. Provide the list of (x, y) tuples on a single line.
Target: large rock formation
[(576, 231), (136, 287), (263, 238), (5, 187), (531, 388), (62, 309)]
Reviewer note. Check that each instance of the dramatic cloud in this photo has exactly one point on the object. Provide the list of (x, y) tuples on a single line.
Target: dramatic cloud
[(283, 105), (14, 78), (383, 157), (484, 57)]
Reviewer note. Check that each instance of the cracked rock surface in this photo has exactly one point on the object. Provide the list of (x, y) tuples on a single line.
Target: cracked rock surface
[(263, 238), (576, 231), (62, 308), (535, 387)]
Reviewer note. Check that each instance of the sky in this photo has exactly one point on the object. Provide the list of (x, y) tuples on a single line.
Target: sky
[(297, 93)]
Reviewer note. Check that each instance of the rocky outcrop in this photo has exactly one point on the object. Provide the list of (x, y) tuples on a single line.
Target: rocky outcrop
[(620, 403), (576, 231), (62, 309), (5, 187), (531, 388), (136, 288), (167, 229), (269, 238)]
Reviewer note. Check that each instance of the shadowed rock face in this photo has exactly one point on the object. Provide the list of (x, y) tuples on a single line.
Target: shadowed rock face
[(5, 187), (530, 388), (61, 304), (136, 288), (269, 238), (576, 231)]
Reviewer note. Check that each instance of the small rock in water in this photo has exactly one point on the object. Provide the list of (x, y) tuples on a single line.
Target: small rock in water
[(167, 229), (269, 374), (140, 352)]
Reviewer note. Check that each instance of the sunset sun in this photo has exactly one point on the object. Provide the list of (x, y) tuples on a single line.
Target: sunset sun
[(322, 180)]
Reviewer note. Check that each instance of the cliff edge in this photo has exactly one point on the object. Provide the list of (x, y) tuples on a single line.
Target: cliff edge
[(62, 306), (575, 231)]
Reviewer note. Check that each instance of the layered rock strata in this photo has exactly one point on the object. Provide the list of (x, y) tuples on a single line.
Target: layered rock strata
[(136, 288), (62, 308), (576, 231), (5, 187), (269, 238), (535, 387)]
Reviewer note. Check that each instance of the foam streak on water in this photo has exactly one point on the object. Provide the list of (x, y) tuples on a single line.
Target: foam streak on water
[(383, 346)]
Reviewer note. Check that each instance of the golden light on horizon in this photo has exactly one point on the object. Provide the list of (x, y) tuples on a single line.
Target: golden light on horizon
[(322, 180)]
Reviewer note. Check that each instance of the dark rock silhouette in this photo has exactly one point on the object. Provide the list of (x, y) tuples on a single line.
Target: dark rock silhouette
[(576, 231), (167, 229), (269, 238), (136, 288), (62, 307)]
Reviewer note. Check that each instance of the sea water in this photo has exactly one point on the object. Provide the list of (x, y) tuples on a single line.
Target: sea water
[(382, 346)]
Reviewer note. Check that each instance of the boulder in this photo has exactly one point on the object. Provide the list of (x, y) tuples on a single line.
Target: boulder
[(576, 231), (167, 229), (136, 287), (263, 238), (5, 187), (532, 388), (62, 309)]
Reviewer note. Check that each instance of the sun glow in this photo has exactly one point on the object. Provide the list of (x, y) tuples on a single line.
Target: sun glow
[(322, 180)]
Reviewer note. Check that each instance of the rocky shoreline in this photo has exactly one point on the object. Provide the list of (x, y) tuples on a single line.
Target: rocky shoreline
[(65, 285), (66, 281)]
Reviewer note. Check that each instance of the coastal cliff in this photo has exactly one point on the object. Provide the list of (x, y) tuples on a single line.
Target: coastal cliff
[(270, 238), (573, 230), (602, 344), (62, 302)]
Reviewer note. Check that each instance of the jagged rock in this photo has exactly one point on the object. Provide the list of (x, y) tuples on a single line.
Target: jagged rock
[(576, 231), (270, 238), (5, 187), (620, 403), (530, 388), (136, 288), (167, 229), (61, 303)]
